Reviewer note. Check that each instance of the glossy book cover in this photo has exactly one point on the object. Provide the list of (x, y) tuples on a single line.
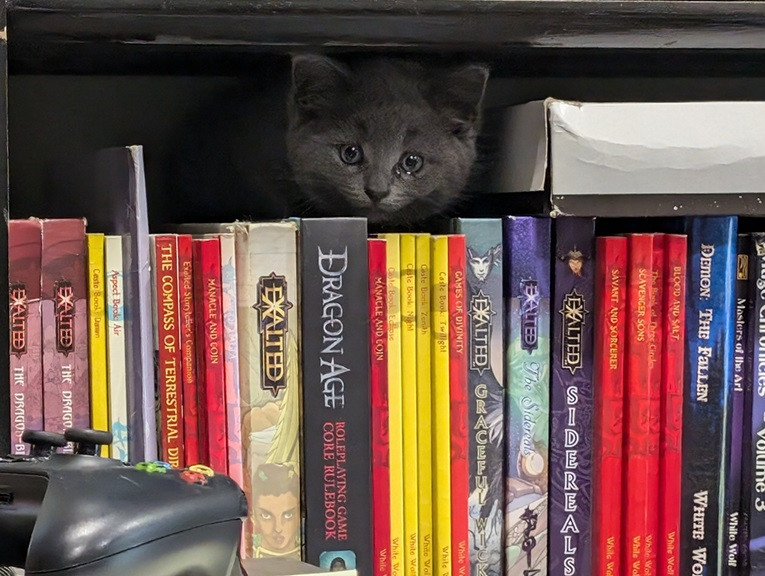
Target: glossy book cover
[(527, 308)]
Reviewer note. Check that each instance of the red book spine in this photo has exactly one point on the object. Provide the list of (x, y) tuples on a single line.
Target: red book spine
[(672, 365), (655, 335), (610, 347), (211, 366), (169, 331), (26, 374), (188, 351), (66, 389), (378, 314), (639, 452), (458, 390)]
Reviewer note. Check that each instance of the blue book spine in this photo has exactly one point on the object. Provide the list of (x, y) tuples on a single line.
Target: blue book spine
[(757, 432), (570, 489), (708, 381), (486, 393), (527, 327)]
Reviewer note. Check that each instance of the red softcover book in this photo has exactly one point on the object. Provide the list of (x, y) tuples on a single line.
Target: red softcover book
[(655, 335), (210, 360), (188, 351), (378, 338), (610, 349), (640, 453), (672, 365), (169, 377), (458, 389)]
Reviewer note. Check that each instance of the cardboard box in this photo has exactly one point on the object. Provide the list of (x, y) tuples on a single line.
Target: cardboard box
[(628, 159)]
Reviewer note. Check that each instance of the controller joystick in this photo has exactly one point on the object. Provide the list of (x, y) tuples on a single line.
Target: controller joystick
[(87, 441), (43, 444)]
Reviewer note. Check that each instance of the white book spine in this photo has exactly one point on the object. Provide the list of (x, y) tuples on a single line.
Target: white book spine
[(115, 322)]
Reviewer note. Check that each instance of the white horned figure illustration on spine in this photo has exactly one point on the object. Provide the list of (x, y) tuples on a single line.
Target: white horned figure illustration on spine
[(481, 266)]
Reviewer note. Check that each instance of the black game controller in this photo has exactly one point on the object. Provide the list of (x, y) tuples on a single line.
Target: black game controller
[(83, 515)]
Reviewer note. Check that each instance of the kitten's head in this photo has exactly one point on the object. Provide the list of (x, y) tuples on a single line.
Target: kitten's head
[(386, 139)]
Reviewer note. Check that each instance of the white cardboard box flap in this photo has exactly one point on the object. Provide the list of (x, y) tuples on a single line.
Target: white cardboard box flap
[(635, 148)]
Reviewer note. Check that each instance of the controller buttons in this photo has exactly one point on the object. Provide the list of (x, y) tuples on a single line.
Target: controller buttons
[(194, 477), (202, 469), (151, 468)]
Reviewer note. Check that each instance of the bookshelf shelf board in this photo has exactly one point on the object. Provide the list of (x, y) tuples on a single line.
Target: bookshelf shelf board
[(469, 24)]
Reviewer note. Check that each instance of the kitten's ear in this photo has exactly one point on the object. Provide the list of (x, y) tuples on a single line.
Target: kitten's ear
[(316, 81), (459, 94)]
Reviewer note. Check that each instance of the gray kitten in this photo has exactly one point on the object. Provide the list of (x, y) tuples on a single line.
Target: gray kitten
[(387, 138)]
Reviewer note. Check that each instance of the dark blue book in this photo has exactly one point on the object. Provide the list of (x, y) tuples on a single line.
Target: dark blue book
[(708, 381), (571, 406), (745, 268)]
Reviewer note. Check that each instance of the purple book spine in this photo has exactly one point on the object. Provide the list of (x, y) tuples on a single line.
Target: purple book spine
[(65, 325), (24, 260), (571, 398)]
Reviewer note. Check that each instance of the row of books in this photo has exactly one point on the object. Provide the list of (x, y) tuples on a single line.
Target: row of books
[(541, 399)]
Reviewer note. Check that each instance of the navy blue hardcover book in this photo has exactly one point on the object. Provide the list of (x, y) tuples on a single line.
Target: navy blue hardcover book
[(708, 381)]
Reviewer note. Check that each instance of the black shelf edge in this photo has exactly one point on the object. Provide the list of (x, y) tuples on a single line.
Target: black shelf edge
[(451, 24)]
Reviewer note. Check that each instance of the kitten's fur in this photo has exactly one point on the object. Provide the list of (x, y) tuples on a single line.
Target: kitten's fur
[(268, 155)]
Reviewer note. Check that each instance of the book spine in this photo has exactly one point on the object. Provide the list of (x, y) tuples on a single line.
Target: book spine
[(458, 411), (486, 393), (425, 432), (673, 355), (97, 336), (395, 406), (733, 516), (708, 364), (745, 262), (25, 330), (169, 360), (409, 401), (336, 398), (269, 373), (756, 361), (571, 398), (190, 389), (228, 273), (115, 347), (609, 355), (527, 324), (66, 401), (639, 449), (655, 348), (441, 425), (210, 336), (378, 334)]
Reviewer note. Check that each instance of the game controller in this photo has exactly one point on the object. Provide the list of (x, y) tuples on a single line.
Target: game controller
[(83, 515)]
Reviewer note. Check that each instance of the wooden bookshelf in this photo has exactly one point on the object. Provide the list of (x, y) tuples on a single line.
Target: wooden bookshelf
[(147, 58)]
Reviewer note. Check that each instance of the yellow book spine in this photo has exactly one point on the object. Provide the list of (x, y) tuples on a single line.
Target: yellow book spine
[(395, 407), (439, 297), (97, 335), (424, 407), (408, 265)]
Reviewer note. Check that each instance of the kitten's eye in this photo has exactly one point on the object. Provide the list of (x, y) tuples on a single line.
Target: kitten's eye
[(411, 163), (351, 154)]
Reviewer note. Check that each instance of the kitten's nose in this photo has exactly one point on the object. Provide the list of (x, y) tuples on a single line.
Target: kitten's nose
[(377, 194)]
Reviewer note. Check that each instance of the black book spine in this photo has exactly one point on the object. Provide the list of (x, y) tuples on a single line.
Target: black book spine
[(336, 393)]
